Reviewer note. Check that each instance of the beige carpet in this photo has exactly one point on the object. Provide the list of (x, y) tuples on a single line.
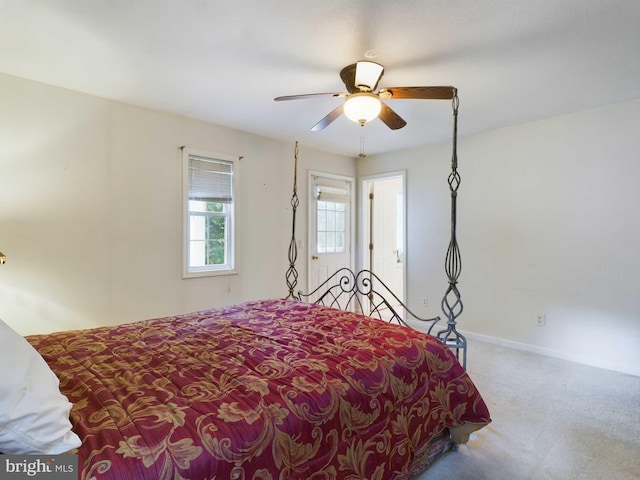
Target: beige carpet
[(552, 419)]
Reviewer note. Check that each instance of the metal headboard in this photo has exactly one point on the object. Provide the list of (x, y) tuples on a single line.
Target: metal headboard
[(363, 292), (359, 286)]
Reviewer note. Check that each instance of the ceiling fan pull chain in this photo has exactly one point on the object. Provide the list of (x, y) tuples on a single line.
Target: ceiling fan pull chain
[(362, 154)]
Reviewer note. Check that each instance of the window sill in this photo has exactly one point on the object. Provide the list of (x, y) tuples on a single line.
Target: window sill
[(208, 273)]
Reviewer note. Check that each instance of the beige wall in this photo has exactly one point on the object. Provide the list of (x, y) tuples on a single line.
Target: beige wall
[(549, 222), (90, 210)]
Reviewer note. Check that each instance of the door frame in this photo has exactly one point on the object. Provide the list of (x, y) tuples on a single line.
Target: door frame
[(310, 216), (363, 216)]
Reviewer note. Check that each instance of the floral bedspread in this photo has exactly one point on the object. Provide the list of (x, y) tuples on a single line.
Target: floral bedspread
[(272, 389)]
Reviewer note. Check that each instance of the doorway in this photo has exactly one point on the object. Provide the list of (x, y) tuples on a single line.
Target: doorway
[(331, 232), (383, 239)]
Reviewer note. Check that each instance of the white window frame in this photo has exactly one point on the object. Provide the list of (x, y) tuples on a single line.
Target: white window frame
[(336, 196), (208, 270)]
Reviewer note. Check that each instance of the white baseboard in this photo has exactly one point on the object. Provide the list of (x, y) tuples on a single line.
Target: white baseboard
[(549, 352)]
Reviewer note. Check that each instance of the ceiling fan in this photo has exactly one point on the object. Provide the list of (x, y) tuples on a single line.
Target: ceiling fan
[(363, 103)]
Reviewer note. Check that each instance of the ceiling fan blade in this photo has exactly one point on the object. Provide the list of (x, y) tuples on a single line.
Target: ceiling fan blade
[(308, 95), (427, 93), (348, 76), (391, 118), (335, 113)]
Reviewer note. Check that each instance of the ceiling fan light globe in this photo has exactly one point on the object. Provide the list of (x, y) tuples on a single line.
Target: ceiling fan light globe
[(362, 107)]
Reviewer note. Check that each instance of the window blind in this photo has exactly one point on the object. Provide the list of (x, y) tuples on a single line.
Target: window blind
[(332, 194), (210, 180)]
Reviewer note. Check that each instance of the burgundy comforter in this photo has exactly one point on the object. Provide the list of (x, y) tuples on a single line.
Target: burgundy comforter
[(273, 389)]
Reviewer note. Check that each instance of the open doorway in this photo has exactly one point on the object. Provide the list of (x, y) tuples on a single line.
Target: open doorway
[(383, 239)]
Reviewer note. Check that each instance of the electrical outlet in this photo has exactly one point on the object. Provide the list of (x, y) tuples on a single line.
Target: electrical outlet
[(425, 302), (540, 320)]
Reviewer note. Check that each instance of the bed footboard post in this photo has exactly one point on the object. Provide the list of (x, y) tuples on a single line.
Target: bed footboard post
[(451, 302), (292, 273)]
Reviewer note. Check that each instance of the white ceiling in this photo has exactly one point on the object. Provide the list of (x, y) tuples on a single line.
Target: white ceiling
[(224, 61)]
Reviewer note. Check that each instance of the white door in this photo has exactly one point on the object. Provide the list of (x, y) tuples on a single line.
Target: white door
[(384, 230), (330, 226), (387, 233)]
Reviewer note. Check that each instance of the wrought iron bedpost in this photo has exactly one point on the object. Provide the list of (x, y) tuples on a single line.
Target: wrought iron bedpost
[(451, 302), (292, 273)]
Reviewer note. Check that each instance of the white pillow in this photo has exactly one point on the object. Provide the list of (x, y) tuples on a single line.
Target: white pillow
[(34, 415)]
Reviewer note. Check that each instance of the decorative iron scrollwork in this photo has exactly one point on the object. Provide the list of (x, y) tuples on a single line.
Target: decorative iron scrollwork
[(292, 273), (366, 293), (363, 292), (451, 302)]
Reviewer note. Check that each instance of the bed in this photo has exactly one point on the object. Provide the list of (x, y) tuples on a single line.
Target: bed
[(311, 386), (271, 389)]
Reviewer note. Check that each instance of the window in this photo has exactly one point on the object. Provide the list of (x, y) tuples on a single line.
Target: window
[(332, 219), (209, 200)]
